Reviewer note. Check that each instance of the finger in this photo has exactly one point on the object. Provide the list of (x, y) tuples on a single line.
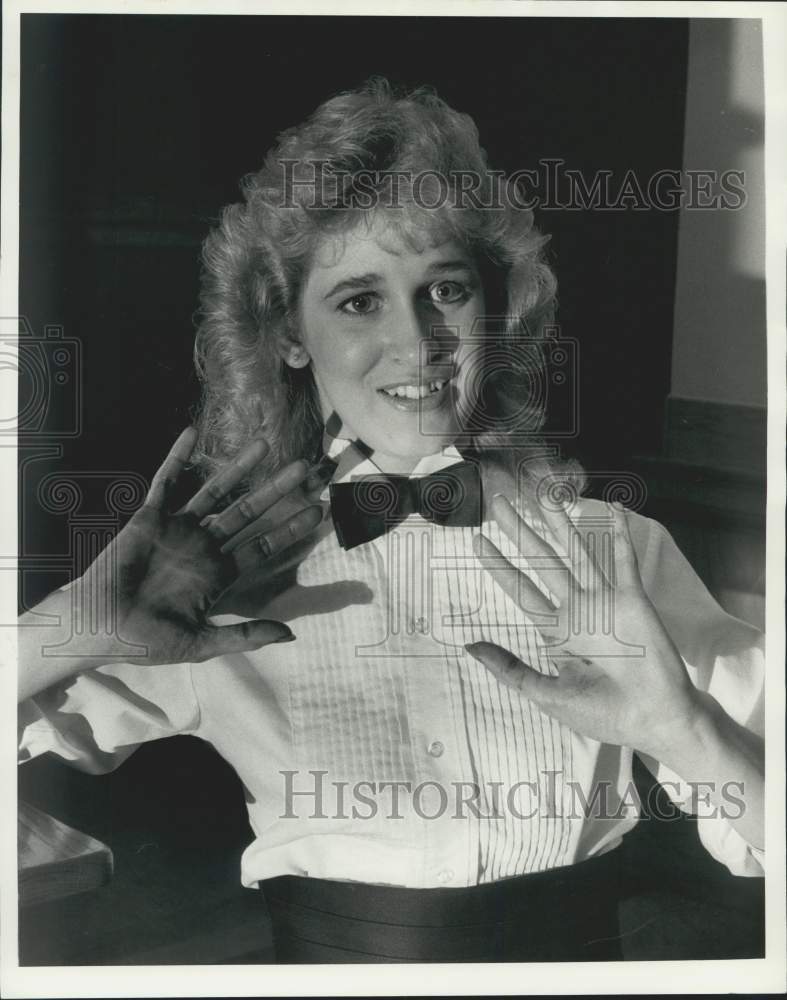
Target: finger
[(220, 484), (249, 507), (596, 527), (271, 542), (579, 547), (318, 477), (170, 469), (531, 545), (273, 516), (625, 555), (218, 640), (519, 587), (511, 671)]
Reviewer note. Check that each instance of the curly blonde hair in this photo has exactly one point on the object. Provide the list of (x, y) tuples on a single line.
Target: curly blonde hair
[(256, 259)]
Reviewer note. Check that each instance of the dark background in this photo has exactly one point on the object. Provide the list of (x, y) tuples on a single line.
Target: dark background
[(135, 132)]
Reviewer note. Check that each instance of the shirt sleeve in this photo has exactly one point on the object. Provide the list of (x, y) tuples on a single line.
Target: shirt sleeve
[(724, 657), (97, 719)]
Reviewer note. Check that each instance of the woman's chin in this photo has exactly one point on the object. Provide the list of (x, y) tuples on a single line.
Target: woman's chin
[(401, 436), (410, 449)]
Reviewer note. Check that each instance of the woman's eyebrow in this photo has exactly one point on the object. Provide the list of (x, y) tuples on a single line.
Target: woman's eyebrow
[(451, 265), (355, 281)]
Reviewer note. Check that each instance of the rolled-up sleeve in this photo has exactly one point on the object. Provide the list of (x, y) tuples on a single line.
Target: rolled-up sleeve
[(96, 720), (725, 657)]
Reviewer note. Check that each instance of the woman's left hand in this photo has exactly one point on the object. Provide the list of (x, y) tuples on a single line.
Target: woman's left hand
[(645, 699)]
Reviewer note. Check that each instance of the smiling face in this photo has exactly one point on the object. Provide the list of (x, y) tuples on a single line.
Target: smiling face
[(367, 306)]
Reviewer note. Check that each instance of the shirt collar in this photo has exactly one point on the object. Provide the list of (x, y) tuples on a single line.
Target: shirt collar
[(352, 461)]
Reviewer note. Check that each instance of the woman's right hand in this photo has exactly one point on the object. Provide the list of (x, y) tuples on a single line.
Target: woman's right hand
[(170, 568), (147, 597)]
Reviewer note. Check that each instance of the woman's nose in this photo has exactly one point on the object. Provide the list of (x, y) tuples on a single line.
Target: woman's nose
[(417, 330)]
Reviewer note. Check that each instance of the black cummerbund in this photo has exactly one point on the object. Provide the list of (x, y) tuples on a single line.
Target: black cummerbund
[(562, 915)]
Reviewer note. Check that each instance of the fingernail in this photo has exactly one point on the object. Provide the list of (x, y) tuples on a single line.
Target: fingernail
[(319, 474), (289, 637), (473, 648), (313, 481)]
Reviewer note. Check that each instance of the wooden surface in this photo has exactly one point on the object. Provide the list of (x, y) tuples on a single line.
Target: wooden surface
[(708, 488), (716, 435), (176, 821), (56, 860)]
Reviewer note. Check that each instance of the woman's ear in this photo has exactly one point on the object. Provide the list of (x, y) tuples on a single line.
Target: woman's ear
[(293, 352)]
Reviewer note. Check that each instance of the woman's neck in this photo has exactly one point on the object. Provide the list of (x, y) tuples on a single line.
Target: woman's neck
[(394, 464)]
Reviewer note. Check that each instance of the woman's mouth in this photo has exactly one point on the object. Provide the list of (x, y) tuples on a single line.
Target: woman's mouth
[(417, 395), (415, 391)]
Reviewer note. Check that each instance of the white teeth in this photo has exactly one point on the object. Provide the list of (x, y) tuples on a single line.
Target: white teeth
[(416, 391)]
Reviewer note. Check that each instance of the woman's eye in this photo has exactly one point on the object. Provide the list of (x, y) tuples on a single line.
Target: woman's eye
[(448, 292), (361, 305)]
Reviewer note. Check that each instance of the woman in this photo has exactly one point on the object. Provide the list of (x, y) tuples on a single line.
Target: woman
[(438, 767)]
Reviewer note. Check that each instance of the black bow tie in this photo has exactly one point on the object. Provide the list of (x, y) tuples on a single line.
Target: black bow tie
[(366, 508)]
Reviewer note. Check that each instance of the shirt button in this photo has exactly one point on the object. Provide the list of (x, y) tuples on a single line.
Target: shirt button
[(421, 625), (436, 748), (445, 875)]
